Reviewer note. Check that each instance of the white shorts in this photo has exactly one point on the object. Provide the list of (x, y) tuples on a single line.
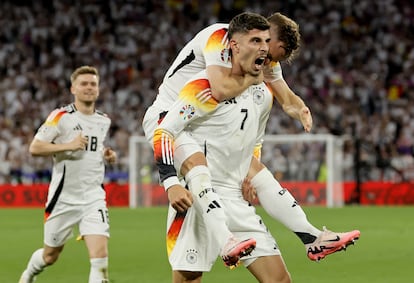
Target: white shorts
[(191, 248), (91, 219), (184, 144)]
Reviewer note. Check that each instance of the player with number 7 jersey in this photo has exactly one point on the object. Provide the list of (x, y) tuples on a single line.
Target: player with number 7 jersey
[(227, 133), (231, 122), (283, 45), (209, 49)]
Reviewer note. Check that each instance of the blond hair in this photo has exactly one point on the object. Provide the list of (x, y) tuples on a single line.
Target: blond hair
[(84, 70), (288, 31)]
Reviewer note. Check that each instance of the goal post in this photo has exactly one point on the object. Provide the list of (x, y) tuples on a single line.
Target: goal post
[(331, 154), (137, 146), (313, 163)]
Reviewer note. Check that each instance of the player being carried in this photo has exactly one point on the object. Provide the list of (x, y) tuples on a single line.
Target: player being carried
[(210, 49)]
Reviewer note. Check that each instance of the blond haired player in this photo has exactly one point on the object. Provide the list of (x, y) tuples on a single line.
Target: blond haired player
[(73, 135)]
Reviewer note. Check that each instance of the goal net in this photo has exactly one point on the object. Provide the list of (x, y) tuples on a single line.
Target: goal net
[(308, 165)]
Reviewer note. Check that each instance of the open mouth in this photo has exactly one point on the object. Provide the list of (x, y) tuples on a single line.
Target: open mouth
[(259, 61)]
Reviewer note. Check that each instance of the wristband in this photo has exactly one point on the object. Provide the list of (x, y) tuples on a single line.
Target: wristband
[(170, 181)]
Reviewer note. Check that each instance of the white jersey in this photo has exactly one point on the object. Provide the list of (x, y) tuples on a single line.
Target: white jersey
[(77, 176), (227, 133), (230, 134), (208, 47), (196, 112)]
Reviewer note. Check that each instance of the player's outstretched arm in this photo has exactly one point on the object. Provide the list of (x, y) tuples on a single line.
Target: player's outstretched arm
[(291, 103)]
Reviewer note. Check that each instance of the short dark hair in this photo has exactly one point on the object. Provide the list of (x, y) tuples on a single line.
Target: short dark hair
[(247, 21), (288, 31)]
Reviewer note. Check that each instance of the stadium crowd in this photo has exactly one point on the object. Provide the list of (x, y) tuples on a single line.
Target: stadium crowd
[(355, 71)]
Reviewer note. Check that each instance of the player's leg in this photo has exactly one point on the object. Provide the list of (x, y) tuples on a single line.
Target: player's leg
[(39, 260), (198, 179), (282, 206), (192, 164), (57, 230), (270, 269), (94, 229), (97, 246), (279, 203)]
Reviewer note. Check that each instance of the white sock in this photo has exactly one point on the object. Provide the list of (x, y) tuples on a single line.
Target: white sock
[(36, 264), (282, 206), (209, 204), (99, 270)]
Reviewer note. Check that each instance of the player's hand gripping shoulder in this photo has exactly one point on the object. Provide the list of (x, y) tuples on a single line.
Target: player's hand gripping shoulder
[(180, 198), (109, 155)]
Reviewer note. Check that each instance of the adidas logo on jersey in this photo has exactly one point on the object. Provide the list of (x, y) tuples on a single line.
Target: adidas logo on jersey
[(212, 205), (230, 101), (77, 128)]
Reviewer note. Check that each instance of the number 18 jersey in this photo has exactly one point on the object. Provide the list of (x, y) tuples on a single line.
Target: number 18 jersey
[(77, 176)]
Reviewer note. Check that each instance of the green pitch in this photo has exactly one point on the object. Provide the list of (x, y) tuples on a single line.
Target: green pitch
[(384, 254)]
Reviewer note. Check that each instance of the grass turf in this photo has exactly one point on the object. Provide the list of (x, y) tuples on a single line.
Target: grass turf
[(384, 253)]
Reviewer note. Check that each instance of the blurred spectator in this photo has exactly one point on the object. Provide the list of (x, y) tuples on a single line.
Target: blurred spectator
[(356, 68)]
